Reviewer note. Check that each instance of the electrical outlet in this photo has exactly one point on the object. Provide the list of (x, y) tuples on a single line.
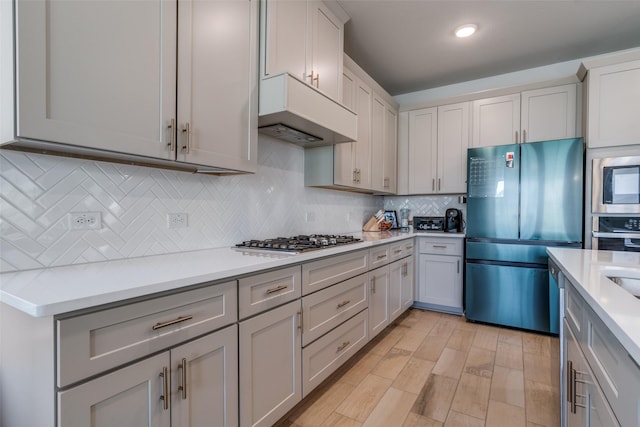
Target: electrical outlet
[(177, 220), (85, 220), (311, 217)]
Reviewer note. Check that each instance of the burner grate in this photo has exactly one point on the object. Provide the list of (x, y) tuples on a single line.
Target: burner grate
[(300, 243)]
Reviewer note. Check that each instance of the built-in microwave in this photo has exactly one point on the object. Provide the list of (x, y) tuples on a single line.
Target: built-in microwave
[(616, 185)]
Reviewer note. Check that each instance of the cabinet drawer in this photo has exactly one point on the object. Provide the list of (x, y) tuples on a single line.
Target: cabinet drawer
[(94, 342), (401, 249), (327, 354), (264, 291), (574, 308), (326, 309), (325, 272), (379, 256), (613, 369), (440, 246)]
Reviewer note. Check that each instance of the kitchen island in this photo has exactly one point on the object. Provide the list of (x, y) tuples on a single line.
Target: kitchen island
[(600, 340)]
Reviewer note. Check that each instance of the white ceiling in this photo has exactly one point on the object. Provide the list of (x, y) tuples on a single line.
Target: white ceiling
[(408, 45)]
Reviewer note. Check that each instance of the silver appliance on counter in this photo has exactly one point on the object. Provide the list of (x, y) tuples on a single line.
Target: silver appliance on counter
[(520, 200), (428, 223)]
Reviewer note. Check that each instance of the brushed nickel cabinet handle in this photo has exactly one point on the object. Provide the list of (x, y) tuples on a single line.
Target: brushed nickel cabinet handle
[(187, 130), (317, 80), (276, 289), (165, 387), (433, 184), (386, 183), (397, 251), (570, 382), (373, 284), (355, 175), (439, 246), (171, 322), (438, 184), (524, 136), (516, 137), (299, 314), (342, 346), (458, 267), (381, 257), (172, 137), (343, 303), (183, 386)]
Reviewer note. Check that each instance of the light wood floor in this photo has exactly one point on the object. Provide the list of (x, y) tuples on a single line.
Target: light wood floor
[(434, 369)]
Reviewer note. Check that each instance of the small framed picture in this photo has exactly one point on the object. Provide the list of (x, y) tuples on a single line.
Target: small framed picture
[(390, 216)]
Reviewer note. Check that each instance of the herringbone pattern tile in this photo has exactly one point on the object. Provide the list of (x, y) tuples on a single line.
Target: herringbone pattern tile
[(37, 192)]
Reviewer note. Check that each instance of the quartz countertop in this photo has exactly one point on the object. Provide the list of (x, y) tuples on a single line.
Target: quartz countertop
[(618, 309), (58, 290)]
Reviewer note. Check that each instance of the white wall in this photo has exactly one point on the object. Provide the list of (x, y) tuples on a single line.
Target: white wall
[(37, 192), (533, 75)]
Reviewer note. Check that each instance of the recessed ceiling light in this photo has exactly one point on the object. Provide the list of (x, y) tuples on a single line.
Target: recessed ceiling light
[(466, 30)]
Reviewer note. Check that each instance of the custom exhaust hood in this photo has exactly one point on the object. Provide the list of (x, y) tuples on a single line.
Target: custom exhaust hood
[(293, 111)]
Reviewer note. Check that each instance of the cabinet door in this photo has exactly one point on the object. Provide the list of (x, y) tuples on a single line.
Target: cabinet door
[(326, 50), (440, 281), (98, 74), (343, 153), (614, 102), (496, 121), (378, 300), (132, 396), (396, 271), (408, 284), (549, 113), (270, 355), (377, 143), (390, 149), (285, 37), (362, 159), (423, 140), (453, 141), (204, 383), (217, 99)]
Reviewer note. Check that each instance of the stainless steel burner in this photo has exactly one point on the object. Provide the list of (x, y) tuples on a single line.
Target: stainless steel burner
[(298, 244)]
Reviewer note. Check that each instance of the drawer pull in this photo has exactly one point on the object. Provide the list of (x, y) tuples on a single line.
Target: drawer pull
[(165, 387), (277, 289), (397, 251), (183, 387), (343, 303), (382, 256), (342, 346), (440, 246), (171, 322)]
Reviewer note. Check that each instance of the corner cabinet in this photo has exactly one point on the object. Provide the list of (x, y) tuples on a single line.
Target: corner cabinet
[(613, 102), (82, 85), (305, 39), (369, 163), (535, 115)]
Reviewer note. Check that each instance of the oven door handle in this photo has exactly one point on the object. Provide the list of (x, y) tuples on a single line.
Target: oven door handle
[(616, 235)]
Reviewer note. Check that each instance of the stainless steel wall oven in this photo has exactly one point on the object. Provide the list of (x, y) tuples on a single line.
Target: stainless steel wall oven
[(619, 233), (616, 185)]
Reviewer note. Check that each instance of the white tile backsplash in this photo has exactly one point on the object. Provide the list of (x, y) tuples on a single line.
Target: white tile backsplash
[(37, 192)]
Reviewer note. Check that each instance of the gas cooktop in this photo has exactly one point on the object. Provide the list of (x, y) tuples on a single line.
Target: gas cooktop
[(297, 244)]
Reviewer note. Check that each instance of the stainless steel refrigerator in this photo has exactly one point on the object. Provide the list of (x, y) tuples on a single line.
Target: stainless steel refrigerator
[(520, 200)]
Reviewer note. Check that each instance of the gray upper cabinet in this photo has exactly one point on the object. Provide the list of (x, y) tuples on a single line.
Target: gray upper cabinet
[(82, 84)]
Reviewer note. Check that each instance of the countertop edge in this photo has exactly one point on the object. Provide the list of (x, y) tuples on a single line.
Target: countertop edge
[(24, 290)]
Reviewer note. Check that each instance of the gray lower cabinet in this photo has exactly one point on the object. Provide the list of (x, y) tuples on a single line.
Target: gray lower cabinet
[(270, 355), (601, 382), (379, 316), (194, 384), (440, 270)]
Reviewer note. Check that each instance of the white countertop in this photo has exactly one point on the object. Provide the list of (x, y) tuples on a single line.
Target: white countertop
[(52, 291), (619, 310)]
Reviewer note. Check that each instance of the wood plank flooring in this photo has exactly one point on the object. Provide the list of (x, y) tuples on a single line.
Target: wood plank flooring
[(435, 369)]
